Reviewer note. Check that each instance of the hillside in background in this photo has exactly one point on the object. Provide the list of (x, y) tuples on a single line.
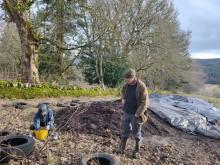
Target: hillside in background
[(211, 68)]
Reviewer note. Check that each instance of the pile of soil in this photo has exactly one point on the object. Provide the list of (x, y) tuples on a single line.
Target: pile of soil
[(162, 143), (104, 119)]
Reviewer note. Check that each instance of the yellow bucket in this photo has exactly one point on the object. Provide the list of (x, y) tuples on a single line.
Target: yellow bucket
[(41, 134)]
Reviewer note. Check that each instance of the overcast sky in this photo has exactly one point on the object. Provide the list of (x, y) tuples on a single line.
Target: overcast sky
[(202, 17)]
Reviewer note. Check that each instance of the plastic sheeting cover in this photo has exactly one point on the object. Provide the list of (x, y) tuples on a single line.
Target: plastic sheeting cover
[(189, 114)]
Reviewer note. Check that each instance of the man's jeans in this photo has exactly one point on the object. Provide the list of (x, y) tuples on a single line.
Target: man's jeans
[(129, 123)]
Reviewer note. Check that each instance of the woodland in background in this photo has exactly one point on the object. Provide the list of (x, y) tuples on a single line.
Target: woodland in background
[(67, 41)]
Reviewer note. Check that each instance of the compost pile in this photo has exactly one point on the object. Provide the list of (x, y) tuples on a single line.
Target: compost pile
[(103, 118)]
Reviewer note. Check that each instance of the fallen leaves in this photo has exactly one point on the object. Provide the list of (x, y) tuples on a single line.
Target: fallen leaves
[(101, 134)]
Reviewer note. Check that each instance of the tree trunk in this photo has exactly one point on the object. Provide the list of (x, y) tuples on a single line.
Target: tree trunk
[(60, 32), (29, 40), (101, 72), (30, 56), (97, 67)]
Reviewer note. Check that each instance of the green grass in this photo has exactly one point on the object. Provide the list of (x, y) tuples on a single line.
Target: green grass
[(212, 100), (162, 92), (45, 90), (14, 90)]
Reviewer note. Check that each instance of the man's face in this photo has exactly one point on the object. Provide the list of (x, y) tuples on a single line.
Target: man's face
[(129, 80), (43, 114)]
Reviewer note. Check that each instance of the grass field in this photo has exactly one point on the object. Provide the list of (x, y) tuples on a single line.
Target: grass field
[(209, 92)]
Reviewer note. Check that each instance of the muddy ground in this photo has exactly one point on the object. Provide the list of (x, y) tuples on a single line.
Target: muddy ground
[(93, 125)]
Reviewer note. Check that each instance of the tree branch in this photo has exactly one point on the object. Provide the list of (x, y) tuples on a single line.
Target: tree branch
[(70, 64), (58, 45), (144, 67)]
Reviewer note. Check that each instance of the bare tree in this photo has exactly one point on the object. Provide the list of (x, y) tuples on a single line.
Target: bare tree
[(10, 53), (162, 57)]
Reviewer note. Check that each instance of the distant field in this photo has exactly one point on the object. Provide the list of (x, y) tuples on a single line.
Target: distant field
[(213, 100), (209, 92)]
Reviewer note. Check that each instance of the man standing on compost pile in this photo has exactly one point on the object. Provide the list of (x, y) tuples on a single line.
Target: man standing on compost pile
[(134, 102)]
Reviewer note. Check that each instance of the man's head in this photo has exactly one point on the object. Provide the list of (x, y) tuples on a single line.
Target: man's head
[(130, 76), (42, 109)]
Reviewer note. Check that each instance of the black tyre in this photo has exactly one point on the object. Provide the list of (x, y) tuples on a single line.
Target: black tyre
[(63, 104), (99, 159), (19, 146), (21, 105), (4, 134)]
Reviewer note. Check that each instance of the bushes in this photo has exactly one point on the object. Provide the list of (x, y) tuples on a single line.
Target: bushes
[(10, 90)]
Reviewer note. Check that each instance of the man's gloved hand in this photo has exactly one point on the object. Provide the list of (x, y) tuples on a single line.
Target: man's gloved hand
[(47, 127)]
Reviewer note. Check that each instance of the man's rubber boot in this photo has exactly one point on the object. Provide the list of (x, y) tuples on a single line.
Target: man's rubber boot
[(123, 145), (136, 153)]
